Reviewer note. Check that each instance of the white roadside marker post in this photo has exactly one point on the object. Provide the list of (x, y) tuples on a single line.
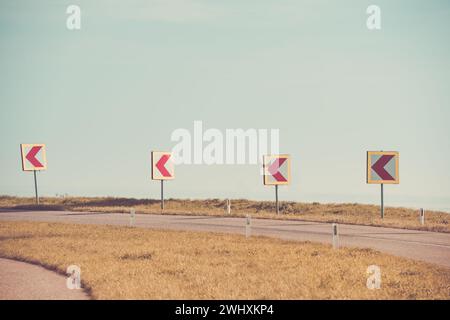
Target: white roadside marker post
[(228, 206), (132, 217), (335, 235), (248, 226), (422, 216)]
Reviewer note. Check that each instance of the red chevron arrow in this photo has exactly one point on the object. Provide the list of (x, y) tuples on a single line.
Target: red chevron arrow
[(31, 156), (161, 165), (274, 167), (378, 167)]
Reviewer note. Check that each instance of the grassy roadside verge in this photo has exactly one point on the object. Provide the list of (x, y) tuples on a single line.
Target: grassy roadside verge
[(133, 263), (349, 213)]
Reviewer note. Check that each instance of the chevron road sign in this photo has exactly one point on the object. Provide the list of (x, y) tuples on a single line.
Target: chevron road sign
[(33, 157), (162, 166), (277, 169), (382, 167)]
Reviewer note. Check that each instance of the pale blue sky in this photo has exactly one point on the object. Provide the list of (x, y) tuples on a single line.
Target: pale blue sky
[(103, 97)]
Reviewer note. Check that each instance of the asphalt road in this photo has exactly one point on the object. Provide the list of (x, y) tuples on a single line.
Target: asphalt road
[(24, 281), (431, 247)]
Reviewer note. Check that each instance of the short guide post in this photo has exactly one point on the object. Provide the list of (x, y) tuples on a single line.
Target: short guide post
[(248, 226), (132, 216), (335, 232)]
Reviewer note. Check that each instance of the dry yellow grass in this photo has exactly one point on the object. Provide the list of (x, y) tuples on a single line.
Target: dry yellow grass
[(350, 213), (133, 263)]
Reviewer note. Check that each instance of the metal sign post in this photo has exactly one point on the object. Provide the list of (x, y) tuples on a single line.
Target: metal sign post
[(276, 199), (382, 203), (162, 194), (36, 187)]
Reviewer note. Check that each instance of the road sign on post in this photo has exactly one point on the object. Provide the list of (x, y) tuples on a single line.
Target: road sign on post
[(34, 159), (162, 169), (382, 168), (277, 171)]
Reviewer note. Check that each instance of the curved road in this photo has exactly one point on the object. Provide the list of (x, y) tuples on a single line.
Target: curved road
[(24, 281), (427, 246)]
